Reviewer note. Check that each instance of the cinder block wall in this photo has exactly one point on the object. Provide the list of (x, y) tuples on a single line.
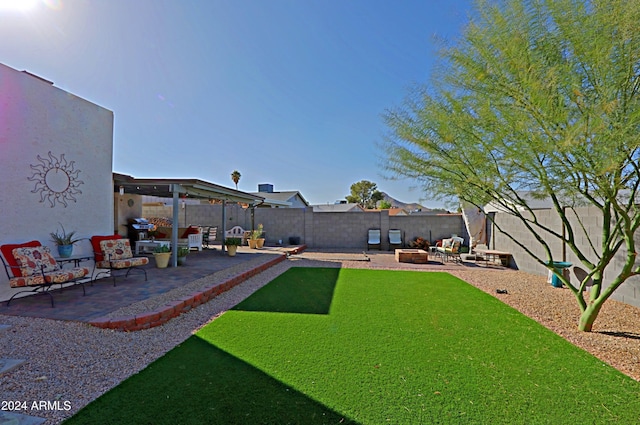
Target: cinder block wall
[(429, 227), (591, 219), (317, 230)]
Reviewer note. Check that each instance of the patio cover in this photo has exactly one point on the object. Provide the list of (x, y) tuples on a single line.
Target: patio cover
[(173, 188)]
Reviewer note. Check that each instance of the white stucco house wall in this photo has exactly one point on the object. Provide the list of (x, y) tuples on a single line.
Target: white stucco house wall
[(55, 164)]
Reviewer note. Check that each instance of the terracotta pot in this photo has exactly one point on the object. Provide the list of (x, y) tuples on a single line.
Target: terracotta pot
[(231, 250), (162, 259), (253, 243), (260, 243)]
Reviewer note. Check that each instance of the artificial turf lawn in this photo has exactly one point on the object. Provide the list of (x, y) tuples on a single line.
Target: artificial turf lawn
[(320, 346)]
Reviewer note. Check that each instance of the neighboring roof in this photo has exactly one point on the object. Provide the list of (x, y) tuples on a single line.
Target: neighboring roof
[(392, 211), (192, 187), (285, 196), (352, 207)]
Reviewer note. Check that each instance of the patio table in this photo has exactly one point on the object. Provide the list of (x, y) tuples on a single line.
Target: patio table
[(145, 245)]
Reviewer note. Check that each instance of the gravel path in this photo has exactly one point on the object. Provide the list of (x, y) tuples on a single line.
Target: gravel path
[(76, 363)]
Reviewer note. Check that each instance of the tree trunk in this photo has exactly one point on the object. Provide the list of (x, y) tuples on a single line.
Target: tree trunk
[(589, 315)]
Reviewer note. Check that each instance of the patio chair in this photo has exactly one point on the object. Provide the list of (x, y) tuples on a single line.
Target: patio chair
[(450, 249), (31, 265), (395, 239), (209, 235), (114, 253), (373, 239)]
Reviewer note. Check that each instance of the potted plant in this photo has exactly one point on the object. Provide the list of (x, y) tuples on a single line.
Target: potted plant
[(256, 238), (162, 254), (232, 245), (182, 255), (64, 241)]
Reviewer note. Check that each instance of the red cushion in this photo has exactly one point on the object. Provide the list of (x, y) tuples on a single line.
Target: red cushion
[(7, 253), (95, 243), (191, 230)]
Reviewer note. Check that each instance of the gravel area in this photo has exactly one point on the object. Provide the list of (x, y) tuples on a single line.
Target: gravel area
[(76, 363)]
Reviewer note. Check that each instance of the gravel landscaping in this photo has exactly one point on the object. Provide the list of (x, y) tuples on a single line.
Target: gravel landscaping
[(76, 363)]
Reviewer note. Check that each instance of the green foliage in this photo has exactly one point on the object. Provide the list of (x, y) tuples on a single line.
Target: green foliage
[(365, 194), (183, 251), (63, 238), (257, 233), (161, 249), (235, 177), (384, 205), (233, 241), (537, 100), (385, 347)]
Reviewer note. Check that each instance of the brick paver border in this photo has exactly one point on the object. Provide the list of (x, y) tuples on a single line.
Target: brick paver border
[(182, 305)]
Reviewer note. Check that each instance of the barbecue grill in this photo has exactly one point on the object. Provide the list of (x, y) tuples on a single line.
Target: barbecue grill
[(138, 228)]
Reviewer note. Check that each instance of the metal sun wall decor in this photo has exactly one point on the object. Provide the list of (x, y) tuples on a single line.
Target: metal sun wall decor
[(56, 180)]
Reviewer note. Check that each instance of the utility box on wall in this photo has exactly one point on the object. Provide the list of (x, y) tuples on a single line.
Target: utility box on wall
[(56, 153)]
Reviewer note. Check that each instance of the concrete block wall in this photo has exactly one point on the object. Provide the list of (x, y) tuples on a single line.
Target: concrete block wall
[(591, 219), (348, 230), (429, 227), (316, 230), (280, 224)]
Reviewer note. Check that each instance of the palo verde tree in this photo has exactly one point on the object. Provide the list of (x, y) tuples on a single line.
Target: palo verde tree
[(538, 99), (365, 194)]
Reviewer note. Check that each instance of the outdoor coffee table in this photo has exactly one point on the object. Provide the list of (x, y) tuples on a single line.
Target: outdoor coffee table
[(75, 259), (418, 256), (493, 256), (148, 245)]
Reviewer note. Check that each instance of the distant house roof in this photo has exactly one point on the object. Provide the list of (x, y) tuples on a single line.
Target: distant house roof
[(392, 211), (292, 197), (352, 207)]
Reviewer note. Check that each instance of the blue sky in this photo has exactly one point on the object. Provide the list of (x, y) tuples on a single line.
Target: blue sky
[(288, 92)]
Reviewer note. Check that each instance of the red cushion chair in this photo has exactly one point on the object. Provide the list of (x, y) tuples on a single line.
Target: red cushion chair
[(114, 253), (95, 244), (7, 253), (31, 265)]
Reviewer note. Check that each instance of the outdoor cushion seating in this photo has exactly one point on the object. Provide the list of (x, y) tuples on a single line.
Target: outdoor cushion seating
[(209, 235), (114, 253), (395, 239), (31, 265), (450, 249), (373, 239)]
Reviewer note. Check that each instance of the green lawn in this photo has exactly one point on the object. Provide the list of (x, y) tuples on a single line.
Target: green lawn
[(329, 346)]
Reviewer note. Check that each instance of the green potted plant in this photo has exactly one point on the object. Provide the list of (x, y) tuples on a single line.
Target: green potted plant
[(255, 239), (232, 245), (162, 254), (182, 255), (64, 241)]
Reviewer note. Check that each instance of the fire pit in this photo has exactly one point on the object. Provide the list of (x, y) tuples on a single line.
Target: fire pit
[(418, 256)]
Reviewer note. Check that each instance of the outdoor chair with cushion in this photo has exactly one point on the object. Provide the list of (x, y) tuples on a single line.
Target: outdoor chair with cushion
[(31, 265), (450, 249), (114, 253), (373, 239), (395, 239), (209, 235)]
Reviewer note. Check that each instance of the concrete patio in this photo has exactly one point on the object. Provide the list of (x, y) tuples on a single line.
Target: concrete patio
[(135, 304)]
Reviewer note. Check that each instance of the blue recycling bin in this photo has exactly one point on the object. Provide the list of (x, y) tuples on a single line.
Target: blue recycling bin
[(558, 266)]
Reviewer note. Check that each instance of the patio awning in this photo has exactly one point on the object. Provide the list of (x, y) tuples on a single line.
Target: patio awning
[(174, 188), (194, 188)]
